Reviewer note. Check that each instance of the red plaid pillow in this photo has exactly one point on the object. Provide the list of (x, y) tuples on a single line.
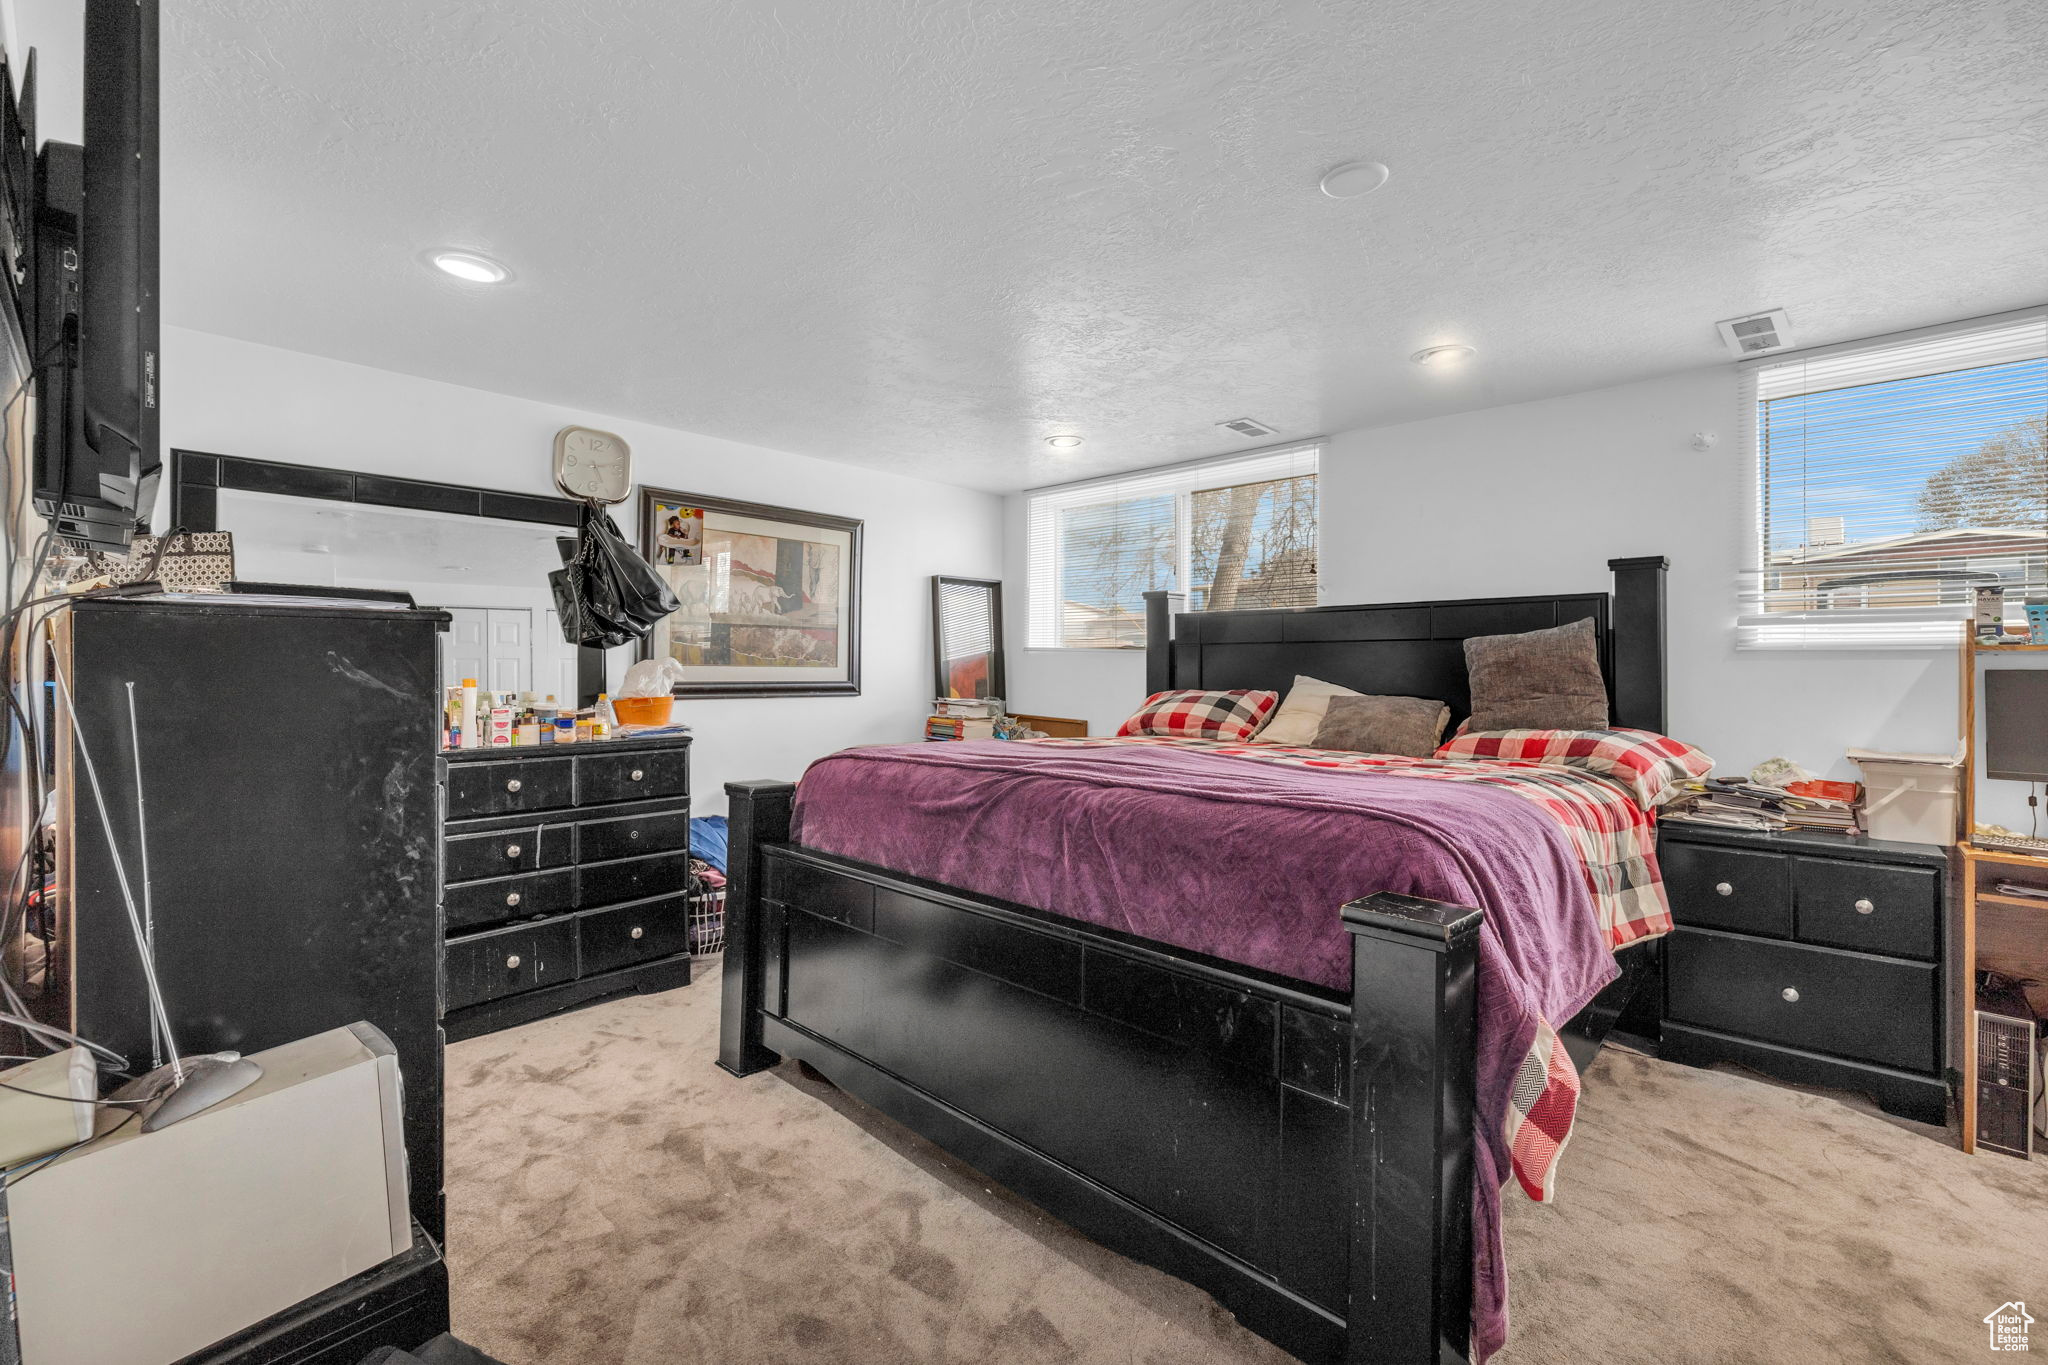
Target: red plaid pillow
[(1230, 716), (1652, 767)]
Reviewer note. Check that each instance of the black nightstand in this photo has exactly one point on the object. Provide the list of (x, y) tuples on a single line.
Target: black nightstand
[(1813, 957)]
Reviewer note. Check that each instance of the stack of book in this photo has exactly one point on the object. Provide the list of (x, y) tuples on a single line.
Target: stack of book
[(963, 718), (1738, 804), (959, 727)]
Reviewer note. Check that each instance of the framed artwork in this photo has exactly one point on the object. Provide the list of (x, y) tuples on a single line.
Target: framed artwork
[(770, 596)]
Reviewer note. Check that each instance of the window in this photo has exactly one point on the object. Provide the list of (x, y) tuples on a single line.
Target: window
[(1235, 532), (1892, 480)]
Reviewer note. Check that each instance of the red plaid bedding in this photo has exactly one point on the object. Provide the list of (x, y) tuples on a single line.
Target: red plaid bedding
[(1615, 837), (1616, 842)]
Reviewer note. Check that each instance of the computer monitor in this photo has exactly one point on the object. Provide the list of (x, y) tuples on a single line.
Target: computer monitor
[(2016, 724)]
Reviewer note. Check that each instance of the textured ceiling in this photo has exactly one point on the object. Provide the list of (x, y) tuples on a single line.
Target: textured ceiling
[(921, 235)]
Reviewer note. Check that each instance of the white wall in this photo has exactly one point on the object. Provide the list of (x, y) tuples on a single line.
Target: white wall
[(1537, 497), (236, 398)]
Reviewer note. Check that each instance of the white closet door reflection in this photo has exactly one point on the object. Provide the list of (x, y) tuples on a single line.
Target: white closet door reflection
[(490, 574)]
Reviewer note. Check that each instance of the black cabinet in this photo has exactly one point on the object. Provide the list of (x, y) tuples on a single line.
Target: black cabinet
[(564, 873), (1810, 956), (284, 755)]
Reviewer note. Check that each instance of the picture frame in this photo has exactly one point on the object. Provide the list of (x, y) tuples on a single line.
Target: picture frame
[(770, 596)]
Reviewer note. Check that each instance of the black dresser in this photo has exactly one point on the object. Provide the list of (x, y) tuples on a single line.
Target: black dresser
[(564, 877), (1813, 957)]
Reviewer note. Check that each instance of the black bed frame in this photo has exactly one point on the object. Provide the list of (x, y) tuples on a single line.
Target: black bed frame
[(1304, 1155)]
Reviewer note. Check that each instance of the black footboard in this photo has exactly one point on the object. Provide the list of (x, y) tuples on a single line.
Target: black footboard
[(1304, 1157)]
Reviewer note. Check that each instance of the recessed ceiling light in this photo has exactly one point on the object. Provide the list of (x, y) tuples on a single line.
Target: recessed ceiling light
[(1063, 442), (1354, 178), (469, 266), (1441, 355)]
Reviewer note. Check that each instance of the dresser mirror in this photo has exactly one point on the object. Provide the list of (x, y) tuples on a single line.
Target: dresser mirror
[(481, 555)]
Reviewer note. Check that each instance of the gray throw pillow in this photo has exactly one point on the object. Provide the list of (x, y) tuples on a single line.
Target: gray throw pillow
[(1411, 726), (1541, 680)]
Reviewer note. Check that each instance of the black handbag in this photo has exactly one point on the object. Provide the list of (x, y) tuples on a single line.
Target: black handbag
[(606, 594)]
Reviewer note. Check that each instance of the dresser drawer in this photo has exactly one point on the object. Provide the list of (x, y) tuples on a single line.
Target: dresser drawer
[(632, 777), (632, 835), (503, 962), (503, 898), (632, 879), (636, 932), (508, 787), (466, 857), (1868, 907), (1812, 998), (1727, 888)]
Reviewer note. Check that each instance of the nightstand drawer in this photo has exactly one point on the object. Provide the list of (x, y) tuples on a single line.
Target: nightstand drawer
[(1816, 998), (503, 898), (1867, 907), (504, 962), (1726, 888), (504, 787)]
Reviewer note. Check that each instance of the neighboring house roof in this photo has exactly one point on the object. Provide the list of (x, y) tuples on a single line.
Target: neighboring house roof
[(1920, 542)]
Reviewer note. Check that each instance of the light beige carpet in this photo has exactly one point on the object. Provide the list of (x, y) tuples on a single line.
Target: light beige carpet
[(613, 1197)]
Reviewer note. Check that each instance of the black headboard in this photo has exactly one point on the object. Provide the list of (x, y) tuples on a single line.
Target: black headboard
[(1411, 649)]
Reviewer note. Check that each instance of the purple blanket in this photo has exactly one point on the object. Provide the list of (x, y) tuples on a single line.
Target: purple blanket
[(1248, 862)]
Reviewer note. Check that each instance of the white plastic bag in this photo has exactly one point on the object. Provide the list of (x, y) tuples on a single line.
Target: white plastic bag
[(651, 678)]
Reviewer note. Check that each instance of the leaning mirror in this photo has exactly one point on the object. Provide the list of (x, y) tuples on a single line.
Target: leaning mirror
[(967, 636)]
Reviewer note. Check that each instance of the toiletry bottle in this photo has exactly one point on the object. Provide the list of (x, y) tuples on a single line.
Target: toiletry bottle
[(471, 738), (565, 729)]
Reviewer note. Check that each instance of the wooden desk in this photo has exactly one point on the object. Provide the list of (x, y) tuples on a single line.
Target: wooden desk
[(2018, 937)]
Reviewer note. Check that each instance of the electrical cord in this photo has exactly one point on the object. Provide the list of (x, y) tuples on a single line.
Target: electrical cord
[(73, 1099), (9, 1179)]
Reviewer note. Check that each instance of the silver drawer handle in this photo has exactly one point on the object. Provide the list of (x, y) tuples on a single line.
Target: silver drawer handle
[(636, 774), (512, 962), (514, 785), (1864, 907), (632, 834), (1723, 888), (511, 850), (1790, 994), (638, 931), (511, 898)]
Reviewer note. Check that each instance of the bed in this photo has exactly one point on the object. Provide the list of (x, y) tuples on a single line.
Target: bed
[(1303, 1139)]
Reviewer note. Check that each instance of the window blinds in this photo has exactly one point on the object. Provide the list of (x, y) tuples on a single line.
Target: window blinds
[(1893, 478), (1240, 529)]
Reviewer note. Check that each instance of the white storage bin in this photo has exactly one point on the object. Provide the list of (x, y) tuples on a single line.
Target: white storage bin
[(1909, 797)]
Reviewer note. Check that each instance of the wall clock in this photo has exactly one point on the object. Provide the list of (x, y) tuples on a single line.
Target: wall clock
[(595, 466)]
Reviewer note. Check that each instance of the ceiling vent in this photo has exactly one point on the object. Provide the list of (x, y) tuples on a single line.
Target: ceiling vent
[(1245, 426), (1757, 334)]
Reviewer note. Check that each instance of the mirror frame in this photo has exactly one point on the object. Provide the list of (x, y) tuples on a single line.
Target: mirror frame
[(197, 476), (998, 679)]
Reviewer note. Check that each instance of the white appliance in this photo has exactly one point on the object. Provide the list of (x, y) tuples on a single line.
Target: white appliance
[(142, 1248)]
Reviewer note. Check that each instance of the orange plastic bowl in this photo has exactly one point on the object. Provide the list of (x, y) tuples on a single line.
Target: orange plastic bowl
[(643, 710)]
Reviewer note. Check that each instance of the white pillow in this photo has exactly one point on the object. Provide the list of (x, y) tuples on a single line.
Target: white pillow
[(1301, 714)]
